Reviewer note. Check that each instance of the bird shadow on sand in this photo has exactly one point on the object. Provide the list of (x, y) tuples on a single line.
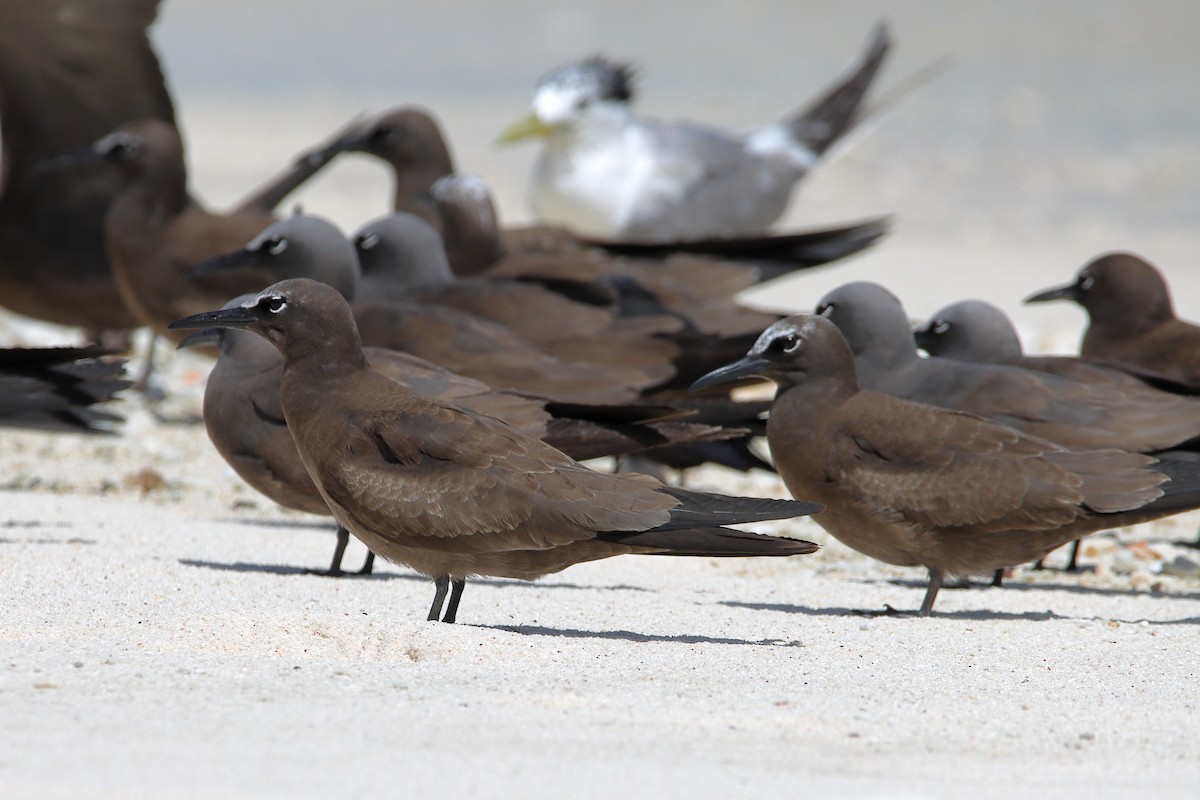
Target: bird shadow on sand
[(631, 636), (286, 569), (253, 522), (888, 611)]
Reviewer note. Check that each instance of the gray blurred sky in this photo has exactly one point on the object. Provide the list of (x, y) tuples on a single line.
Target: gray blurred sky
[(1062, 127)]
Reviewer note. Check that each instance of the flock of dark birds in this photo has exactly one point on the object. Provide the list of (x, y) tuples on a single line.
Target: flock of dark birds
[(433, 381)]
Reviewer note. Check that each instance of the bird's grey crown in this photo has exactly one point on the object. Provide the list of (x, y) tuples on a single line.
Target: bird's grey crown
[(595, 77), (467, 187)]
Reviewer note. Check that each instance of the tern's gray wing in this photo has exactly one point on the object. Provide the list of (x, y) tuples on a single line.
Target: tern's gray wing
[(710, 184)]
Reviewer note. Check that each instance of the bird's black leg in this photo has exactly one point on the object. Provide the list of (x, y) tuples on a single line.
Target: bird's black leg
[(1038, 565), (142, 384), (456, 589), (998, 577), (935, 583), (441, 583), (339, 552), (1073, 561), (368, 565)]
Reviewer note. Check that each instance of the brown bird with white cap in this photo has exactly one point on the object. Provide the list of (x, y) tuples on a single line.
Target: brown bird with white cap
[(452, 493), (915, 485)]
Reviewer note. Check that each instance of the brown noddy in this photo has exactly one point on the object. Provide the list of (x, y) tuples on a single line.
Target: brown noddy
[(243, 414), (403, 260), (156, 231), (917, 485), (1072, 413), (311, 247), (70, 72), (451, 493), (975, 330), (1131, 318), (59, 388)]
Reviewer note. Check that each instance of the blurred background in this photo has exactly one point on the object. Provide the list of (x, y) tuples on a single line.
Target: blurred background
[(1060, 130)]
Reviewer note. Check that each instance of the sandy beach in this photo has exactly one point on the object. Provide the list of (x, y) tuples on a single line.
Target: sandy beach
[(161, 636)]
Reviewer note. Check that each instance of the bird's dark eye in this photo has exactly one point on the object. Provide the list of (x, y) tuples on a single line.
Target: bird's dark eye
[(274, 245), (788, 343), (275, 303), (1086, 281), (366, 240), (939, 326), (123, 148)]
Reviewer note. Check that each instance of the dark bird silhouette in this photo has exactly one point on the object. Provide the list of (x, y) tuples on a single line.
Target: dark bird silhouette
[(1131, 318), (59, 388), (1072, 413), (70, 72), (916, 485), (451, 493)]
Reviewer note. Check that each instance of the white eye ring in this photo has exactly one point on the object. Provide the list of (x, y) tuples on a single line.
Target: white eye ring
[(276, 246), (939, 326), (796, 342), (276, 303), (368, 240), (1086, 282)]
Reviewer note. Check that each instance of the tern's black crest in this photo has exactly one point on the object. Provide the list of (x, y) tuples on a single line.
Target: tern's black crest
[(595, 76)]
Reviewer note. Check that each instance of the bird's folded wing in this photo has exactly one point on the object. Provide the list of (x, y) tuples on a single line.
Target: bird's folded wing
[(931, 468), (441, 472)]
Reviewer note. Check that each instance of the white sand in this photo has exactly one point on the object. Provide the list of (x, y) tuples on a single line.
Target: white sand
[(160, 639)]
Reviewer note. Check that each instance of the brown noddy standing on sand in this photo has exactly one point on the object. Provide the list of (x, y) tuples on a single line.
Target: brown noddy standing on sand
[(70, 72), (1131, 318), (59, 388), (451, 493), (243, 414), (1072, 413), (916, 485), (410, 141)]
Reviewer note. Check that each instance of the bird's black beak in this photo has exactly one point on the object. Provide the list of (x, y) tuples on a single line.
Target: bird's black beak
[(352, 137), (1068, 292), (72, 159), (748, 367), (205, 337), (238, 317), (227, 262)]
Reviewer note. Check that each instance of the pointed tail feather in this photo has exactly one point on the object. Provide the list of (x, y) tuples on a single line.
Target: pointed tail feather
[(827, 118), (713, 542), (707, 510)]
